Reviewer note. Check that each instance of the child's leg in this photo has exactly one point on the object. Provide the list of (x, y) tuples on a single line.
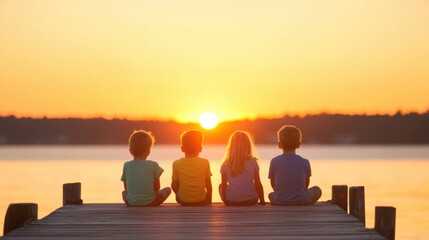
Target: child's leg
[(164, 193), (271, 197), (313, 194), (161, 196)]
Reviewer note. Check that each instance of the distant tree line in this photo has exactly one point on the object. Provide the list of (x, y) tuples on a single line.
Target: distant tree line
[(411, 128)]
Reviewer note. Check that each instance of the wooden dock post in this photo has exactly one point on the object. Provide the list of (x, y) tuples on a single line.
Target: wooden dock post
[(357, 203), (385, 221), (18, 214), (72, 193), (339, 196)]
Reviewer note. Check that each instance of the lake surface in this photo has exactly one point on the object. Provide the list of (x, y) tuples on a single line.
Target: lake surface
[(392, 175)]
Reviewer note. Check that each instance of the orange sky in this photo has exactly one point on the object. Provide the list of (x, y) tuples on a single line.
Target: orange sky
[(178, 59)]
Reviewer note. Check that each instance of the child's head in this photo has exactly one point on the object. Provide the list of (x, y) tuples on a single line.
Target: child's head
[(140, 143), (240, 149), (192, 141), (289, 137)]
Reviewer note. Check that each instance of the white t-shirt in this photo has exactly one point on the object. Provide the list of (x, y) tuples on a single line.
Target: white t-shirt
[(241, 187)]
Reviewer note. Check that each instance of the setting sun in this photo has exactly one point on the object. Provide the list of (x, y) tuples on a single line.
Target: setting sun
[(208, 120)]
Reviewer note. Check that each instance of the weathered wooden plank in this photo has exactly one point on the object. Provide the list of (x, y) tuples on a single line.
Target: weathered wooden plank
[(250, 237)]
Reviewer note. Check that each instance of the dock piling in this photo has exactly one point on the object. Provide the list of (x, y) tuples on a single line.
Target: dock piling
[(385, 221), (357, 203), (18, 214), (72, 193), (339, 196)]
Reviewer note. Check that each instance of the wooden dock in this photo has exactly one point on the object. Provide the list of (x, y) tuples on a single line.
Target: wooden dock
[(171, 221)]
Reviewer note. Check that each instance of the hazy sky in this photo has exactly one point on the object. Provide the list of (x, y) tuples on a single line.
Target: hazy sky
[(178, 59)]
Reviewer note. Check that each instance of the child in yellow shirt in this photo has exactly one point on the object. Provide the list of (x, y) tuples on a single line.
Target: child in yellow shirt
[(191, 174)]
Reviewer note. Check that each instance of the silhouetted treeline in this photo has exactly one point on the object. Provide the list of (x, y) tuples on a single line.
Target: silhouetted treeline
[(409, 128)]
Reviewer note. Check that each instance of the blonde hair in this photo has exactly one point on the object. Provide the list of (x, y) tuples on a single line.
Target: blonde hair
[(239, 150), (140, 141), (290, 137)]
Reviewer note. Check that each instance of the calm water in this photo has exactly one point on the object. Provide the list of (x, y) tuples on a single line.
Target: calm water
[(392, 176)]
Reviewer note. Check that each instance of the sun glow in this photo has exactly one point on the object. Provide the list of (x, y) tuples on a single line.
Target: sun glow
[(208, 120)]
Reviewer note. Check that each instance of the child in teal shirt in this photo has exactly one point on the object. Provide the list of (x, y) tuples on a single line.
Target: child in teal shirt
[(141, 176)]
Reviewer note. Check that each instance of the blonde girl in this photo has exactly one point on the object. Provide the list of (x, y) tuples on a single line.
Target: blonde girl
[(241, 184)]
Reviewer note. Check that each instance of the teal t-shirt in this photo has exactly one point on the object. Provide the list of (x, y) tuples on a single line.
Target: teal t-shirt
[(139, 176)]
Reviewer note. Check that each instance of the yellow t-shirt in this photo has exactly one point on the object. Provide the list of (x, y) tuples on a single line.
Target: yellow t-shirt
[(191, 174)]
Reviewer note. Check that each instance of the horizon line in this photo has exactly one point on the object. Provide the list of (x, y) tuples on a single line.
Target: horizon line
[(261, 117)]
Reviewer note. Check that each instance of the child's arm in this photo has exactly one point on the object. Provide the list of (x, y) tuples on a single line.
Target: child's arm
[(125, 185), (175, 180), (271, 174), (156, 184), (175, 186), (307, 182), (259, 188), (124, 179), (224, 185), (209, 190)]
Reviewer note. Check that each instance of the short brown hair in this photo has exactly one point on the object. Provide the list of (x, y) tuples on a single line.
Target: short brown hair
[(192, 141), (140, 141), (290, 137)]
